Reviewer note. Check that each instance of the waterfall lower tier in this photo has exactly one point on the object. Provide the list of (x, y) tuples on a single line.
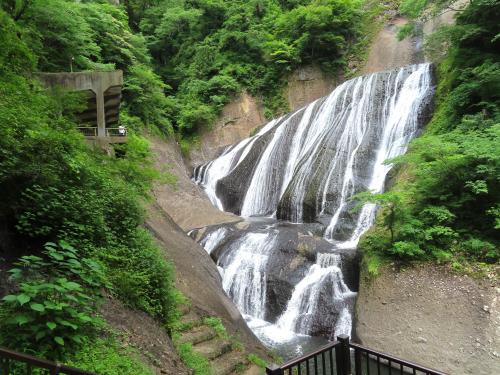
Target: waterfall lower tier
[(288, 283), (304, 168), (323, 277)]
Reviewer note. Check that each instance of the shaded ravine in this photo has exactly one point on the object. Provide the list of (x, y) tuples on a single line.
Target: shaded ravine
[(304, 168)]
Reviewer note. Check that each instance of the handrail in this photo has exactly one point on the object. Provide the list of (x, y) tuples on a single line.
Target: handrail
[(116, 132), (88, 131), (305, 357), (399, 361), (322, 362), (7, 355)]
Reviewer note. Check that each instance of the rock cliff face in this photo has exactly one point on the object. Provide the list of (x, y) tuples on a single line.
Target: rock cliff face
[(432, 316), (237, 120), (245, 113), (307, 84), (185, 202)]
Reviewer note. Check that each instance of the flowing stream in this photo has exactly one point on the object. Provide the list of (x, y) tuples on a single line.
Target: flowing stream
[(293, 182)]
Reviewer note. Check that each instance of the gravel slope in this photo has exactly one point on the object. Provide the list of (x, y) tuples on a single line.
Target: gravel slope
[(432, 316)]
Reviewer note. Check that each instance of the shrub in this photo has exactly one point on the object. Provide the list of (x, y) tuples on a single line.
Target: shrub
[(478, 249), (105, 357), (53, 308), (406, 250)]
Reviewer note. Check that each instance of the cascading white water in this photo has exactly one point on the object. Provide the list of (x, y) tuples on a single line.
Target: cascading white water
[(401, 111), (213, 239), (305, 167), (208, 175), (244, 272), (300, 311), (315, 158), (255, 203)]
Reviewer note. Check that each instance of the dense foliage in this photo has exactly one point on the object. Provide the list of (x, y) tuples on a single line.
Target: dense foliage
[(446, 203), (56, 188), (66, 35), (55, 302), (207, 50)]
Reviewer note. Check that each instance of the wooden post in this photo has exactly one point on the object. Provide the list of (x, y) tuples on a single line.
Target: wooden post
[(273, 369), (343, 355)]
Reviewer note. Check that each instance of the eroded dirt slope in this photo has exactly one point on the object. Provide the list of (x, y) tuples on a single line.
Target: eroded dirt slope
[(432, 316)]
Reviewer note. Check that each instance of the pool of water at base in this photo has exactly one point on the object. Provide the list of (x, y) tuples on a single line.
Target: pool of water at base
[(285, 344)]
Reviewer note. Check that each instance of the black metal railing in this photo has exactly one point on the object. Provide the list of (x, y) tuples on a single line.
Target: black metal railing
[(320, 361), (14, 363), (335, 359), (88, 131)]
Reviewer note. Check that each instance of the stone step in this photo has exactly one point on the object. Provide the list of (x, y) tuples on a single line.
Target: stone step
[(191, 320), (253, 370), (228, 363), (197, 335), (213, 348), (184, 309)]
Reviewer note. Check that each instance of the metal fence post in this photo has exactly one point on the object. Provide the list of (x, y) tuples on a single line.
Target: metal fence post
[(273, 369), (343, 355), (357, 361)]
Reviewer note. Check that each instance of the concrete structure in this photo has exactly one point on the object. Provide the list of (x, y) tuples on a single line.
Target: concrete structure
[(103, 90)]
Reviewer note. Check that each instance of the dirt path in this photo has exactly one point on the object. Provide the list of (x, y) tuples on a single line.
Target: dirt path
[(434, 317)]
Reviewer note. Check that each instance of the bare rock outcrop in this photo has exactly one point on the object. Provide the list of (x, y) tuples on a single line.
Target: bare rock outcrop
[(306, 84), (236, 122), (387, 52), (185, 201)]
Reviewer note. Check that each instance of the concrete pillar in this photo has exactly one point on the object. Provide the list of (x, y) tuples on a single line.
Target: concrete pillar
[(101, 118)]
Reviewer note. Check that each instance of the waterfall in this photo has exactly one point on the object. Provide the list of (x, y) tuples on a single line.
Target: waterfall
[(304, 168), (213, 239), (208, 175), (301, 309), (321, 155), (401, 113), (243, 278)]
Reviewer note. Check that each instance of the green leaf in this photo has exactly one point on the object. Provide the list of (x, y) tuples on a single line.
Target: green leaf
[(68, 324), (51, 325), (10, 298), (40, 335), (37, 307), (71, 285), (59, 340), (23, 298), (22, 319), (56, 255), (77, 338), (50, 305)]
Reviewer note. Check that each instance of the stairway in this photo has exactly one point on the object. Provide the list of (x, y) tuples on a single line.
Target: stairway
[(224, 354)]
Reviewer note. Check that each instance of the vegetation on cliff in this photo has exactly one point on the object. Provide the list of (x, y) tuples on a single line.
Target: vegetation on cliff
[(71, 216), (207, 50), (445, 204)]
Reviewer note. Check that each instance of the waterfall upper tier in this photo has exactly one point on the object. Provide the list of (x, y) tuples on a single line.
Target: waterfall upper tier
[(304, 167)]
